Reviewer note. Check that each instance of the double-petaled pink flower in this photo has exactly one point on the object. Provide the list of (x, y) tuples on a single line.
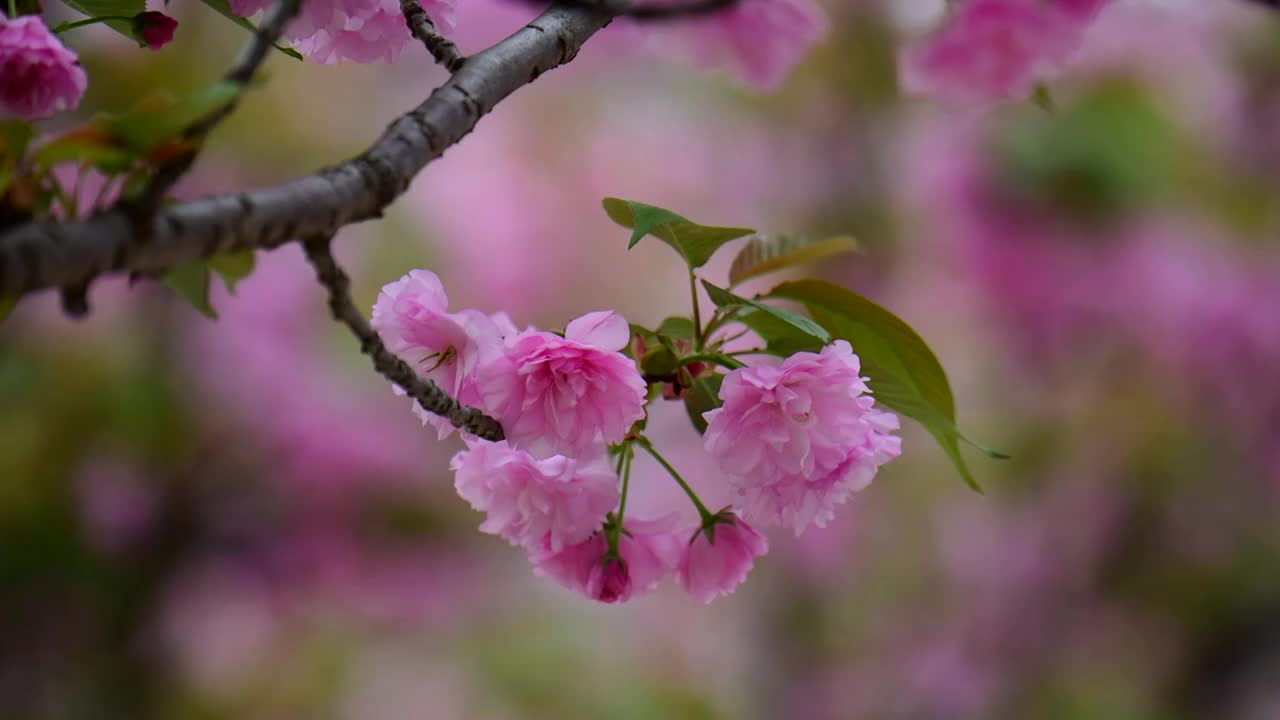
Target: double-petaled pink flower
[(39, 76), (543, 505), (647, 551), (990, 50), (717, 559), (412, 317), (566, 395), (798, 438)]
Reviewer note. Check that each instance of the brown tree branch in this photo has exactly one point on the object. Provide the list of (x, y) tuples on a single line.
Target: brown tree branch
[(427, 393), (40, 255), (650, 11), (420, 25)]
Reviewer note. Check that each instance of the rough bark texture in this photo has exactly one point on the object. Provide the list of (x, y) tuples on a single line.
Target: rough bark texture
[(35, 256), (427, 393)]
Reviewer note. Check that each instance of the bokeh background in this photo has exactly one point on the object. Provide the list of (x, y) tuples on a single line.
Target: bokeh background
[(238, 519)]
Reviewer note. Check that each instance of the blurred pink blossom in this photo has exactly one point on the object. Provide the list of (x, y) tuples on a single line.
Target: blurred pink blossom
[(759, 42), (994, 49), (547, 503), (39, 76), (647, 551), (567, 395), (717, 559), (116, 505), (798, 438)]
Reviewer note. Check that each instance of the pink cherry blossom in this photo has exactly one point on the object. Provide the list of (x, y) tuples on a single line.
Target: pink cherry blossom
[(547, 503), (362, 31), (717, 559), (568, 395), (991, 50), (39, 76), (412, 317), (798, 438), (647, 551), (758, 41)]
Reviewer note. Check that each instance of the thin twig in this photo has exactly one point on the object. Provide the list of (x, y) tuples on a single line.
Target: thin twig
[(427, 393), (441, 48)]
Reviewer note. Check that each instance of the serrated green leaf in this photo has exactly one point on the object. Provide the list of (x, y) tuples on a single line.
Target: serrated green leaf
[(162, 119), (767, 254), (703, 396), (233, 267), (7, 304), (904, 373), (120, 8), (798, 322), (191, 283), (696, 243), (223, 8), (679, 328), (781, 338)]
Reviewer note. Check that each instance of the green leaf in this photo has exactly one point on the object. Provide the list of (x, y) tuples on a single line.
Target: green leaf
[(7, 304), (703, 396), (679, 328), (904, 373), (161, 118), (766, 254), (85, 146), (781, 338), (15, 136), (659, 361), (795, 321), (696, 243), (191, 283), (233, 267), (223, 8), (99, 8)]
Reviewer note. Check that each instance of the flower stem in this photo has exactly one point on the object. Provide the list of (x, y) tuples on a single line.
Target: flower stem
[(13, 8), (720, 359), (697, 311), (707, 516), (63, 27), (624, 464)]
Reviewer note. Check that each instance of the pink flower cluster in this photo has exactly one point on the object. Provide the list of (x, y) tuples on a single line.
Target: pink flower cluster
[(39, 76), (993, 50), (362, 31), (794, 439)]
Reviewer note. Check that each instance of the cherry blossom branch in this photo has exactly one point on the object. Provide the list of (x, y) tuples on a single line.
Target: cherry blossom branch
[(420, 25), (427, 393), (39, 255), (143, 208), (648, 10)]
